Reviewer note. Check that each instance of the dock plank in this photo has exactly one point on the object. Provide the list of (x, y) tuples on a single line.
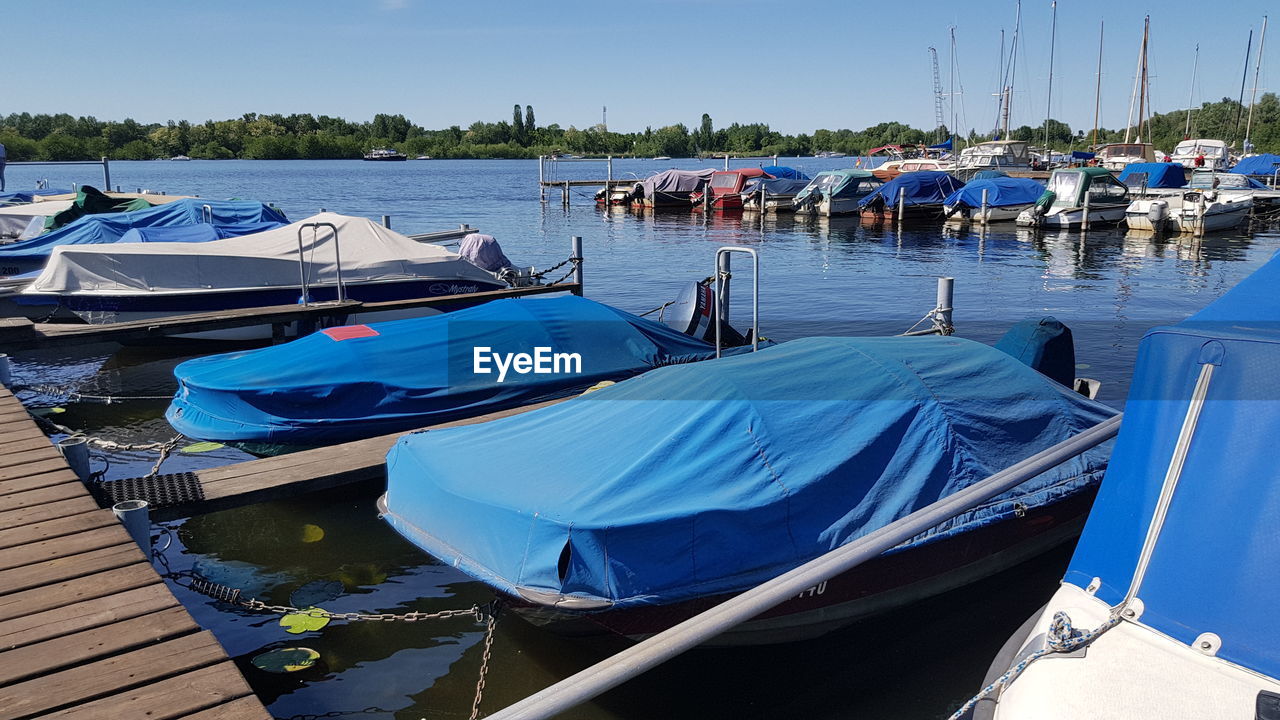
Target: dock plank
[(67, 490), (175, 697), (39, 532), (110, 675), (33, 468), (33, 482), (77, 648), (43, 451), (23, 437), (282, 476), (96, 612), (27, 602), (48, 511), (59, 547), (70, 567), (239, 709)]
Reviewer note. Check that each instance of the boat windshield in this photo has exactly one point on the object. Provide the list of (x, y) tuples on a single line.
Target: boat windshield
[(1210, 180), (1192, 148), (1065, 186), (826, 182), (1122, 151), (728, 181)]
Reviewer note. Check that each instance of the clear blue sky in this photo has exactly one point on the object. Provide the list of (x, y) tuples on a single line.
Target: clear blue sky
[(794, 65)]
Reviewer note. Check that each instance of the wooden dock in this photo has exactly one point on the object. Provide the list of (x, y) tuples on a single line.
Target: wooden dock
[(87, 627), (283, 476), (23, 334)]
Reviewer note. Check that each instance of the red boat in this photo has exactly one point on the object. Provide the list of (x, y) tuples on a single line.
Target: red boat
[(726, 188)]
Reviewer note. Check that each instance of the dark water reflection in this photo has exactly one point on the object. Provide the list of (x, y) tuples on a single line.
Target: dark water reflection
[(834, 276)]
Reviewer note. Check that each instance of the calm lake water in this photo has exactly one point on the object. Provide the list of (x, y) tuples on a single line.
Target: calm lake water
[(833, 277)]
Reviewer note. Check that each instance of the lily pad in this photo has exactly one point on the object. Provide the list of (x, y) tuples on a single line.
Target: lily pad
[(312, 533), (315, 592), (42, 412), (286, 660), (300, 622), (202, 447)]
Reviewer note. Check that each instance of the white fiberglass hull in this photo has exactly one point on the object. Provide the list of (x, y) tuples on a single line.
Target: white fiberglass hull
[(976, 216), (1073, 217), (828, 207), (1130, 672), (1182, 216)]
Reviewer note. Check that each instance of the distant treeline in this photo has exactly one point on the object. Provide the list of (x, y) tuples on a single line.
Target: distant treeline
[(304, 136)]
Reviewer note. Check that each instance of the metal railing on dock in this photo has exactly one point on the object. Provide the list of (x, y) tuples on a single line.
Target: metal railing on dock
[(642, 657), (104, 162)]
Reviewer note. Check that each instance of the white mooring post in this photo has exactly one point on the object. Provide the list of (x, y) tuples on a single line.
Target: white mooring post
[(983, 215), (542, 178), (946, 293), (1084, 218), (724, 263), (902, 202)]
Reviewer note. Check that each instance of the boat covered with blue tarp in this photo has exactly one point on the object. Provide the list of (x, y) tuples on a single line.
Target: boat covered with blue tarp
[(784, 171), (699, 480), (25, 196), (1265, 164), (1001, 192), (1174, 577), (105, 228), (1158, 175), (919, 189), (358, 381)]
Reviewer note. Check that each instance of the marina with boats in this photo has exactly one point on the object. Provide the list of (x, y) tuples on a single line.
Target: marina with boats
[(966, 428)]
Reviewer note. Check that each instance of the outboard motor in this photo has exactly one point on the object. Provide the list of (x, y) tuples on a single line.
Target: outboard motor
[(484, 252), (1158, 213), (691, 313)]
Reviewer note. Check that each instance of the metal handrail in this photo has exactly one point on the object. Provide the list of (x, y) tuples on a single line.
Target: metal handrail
[(337, 256), (721, 307), (633, 661), (206, 214)]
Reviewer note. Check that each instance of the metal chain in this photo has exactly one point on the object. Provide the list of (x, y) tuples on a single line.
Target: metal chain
[(541, 274), (474, 611), (484, 659), (77, 396)]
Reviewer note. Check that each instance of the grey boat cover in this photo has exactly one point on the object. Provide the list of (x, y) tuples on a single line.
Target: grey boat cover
[(485, 252), (673, 181)]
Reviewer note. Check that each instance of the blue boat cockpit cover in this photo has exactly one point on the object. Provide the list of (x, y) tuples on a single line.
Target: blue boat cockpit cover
[(1159, 175), (364, 380), (1001, 192), (1216, 565), (199, 232), (111, 227), (1081, 155), (711, 477), (1265, 164), (922, 187), (784, 172), (26, 196), (988, 174)]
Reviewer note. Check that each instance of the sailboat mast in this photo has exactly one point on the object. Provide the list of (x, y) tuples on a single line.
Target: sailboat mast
[(1013, 67), (1245, 76), (1191, 94), (1262, 41), (1143, 105), (1048, 103), (952, 95), (1000, 95), (1137, 88), (1097, 92)]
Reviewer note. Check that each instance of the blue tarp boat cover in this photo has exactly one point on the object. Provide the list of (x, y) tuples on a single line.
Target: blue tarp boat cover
[(782, 171), (988, 174), (200, 232), (1265, 164), (111, 227), (942, 145), (1081, 155), (712, 477), (1001, 192), (26, 196), (923, 187), (1159, 175), (364, 380), (1216, 566)]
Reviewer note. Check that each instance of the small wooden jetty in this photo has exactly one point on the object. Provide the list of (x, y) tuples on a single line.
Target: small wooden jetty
[(87, 627), (23, 334)]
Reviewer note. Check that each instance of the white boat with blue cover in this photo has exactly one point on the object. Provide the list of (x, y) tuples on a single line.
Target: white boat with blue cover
[(1168, 608), (1076, 194)]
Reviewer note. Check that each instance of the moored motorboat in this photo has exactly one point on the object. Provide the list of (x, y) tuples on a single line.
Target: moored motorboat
[(993, 199), (320, 259), (1114, 156), (670, 189), (724, 189), (772, 194), (835, 192), (351, 382), (1167, 609), (641, 504), (1074, 196), (1202, 153), (1005, 155), (1195, 212), (913, 195)]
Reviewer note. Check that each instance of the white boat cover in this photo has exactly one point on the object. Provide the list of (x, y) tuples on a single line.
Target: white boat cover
[(14, 219), (370, 253)]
